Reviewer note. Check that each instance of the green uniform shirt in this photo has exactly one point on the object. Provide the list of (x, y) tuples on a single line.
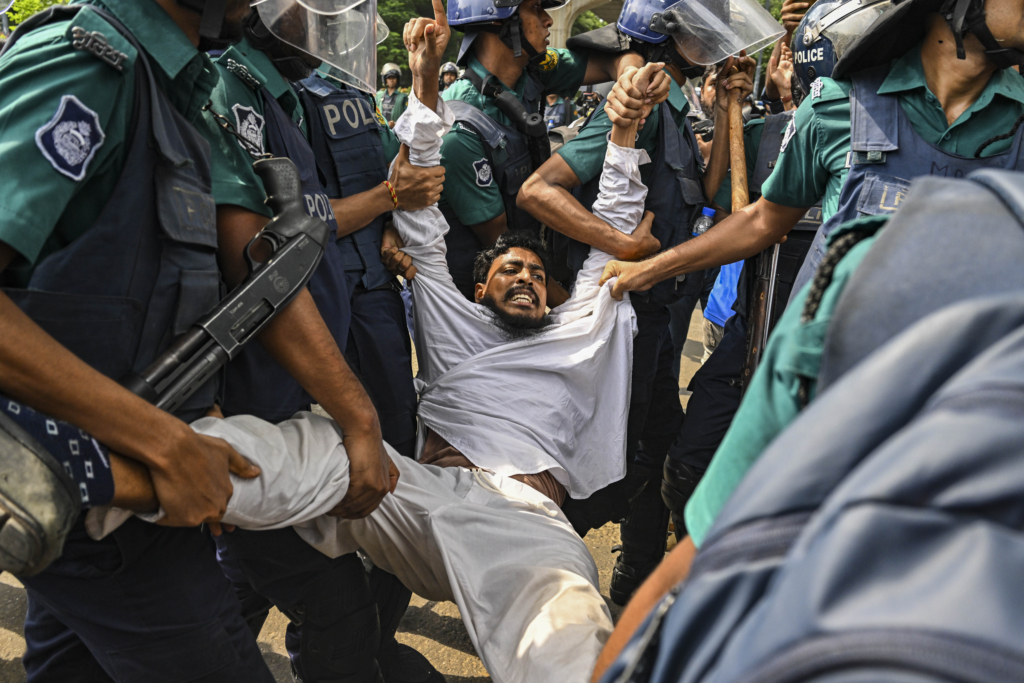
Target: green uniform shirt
[(401, 102), (244, 71), (771, 402), (44, 209), (585, 153), (470, 190), (813, 165)]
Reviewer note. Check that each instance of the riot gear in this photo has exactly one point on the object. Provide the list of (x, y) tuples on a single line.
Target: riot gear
[(390, 69), (494, 16), (825, 33)]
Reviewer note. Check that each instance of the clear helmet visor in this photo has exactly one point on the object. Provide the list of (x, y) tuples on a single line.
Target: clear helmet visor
[(708, 31), (340, 33)]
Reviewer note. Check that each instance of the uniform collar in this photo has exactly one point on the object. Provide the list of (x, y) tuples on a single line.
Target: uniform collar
[(907, 74), (164, 41), (260, 67)]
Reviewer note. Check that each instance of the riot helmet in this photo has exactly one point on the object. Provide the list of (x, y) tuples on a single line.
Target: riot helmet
[(904, 24), (825, 33), (342, 34), (390, 70), (449, 68), (494, 16), (705, 31)]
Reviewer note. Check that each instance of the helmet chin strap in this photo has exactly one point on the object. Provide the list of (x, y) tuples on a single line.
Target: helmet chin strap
[(212, 23), (511, 33), (965, 16)]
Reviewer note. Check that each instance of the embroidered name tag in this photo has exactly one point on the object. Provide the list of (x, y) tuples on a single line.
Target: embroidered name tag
[(96, 43), (70, 140)]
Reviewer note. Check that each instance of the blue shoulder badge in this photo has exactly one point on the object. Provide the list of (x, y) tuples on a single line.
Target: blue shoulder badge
[(249, 125), (484, 177), (70, 140)]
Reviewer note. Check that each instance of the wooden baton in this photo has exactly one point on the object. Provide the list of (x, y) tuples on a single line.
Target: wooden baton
[(737, 156)]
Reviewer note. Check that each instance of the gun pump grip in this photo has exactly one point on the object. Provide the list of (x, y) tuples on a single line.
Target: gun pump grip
[(281, 181)]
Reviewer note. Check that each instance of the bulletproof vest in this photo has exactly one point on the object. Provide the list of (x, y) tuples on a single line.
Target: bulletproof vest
[(146, 270), (919, 263), (387, 103), (886, 153), (255, 383), (508, 153), (556, 114), (345, 137), (675, 195)]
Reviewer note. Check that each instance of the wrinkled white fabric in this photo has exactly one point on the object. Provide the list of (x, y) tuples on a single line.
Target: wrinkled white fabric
[(555, 401), (525, 583)]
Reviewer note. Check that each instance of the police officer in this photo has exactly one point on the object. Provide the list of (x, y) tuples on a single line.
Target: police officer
[(390, 100), (449, 74), (919, 128), (500, 136), (558, 111), (109, 249), (336, 632), (677, 191)]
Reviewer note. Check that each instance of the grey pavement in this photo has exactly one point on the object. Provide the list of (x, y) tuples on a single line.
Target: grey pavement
[(433, 628)]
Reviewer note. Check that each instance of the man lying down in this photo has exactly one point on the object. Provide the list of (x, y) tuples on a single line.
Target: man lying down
[(522, 408)]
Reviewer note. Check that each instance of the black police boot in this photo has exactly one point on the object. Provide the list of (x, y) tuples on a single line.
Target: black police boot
[(644, 535), (38, 502), (399, 663), (676, 488)]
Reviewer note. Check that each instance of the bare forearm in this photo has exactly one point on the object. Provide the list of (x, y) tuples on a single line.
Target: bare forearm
[(38, 371), (426, 89), (602, 67), (558, 209), (133, 485), (299, 340), (355, 212), (742, 235), (673, 569)]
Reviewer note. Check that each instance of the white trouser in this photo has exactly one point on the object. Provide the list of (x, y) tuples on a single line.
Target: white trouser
[(524, 582)]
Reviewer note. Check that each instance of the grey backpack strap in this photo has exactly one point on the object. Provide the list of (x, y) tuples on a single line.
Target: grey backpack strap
[(483, 124), (771, 146)]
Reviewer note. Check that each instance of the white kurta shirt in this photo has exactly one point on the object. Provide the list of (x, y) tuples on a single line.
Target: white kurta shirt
[(557, 400)]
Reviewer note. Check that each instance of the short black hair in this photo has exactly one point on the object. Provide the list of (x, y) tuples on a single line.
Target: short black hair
[(507, 241)]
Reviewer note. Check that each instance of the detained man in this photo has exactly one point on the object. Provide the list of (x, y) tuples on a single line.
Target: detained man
[(521, 407)]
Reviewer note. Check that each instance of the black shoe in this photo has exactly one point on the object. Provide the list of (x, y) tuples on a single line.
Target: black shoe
[(38, 502), (409, 666), (627, 578)]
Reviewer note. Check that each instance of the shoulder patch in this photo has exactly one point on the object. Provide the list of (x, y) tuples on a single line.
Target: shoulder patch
[(484, 177), (816, 86), (249, 124), (70, 140), (788, 135), (242, 72), (381, 121), (550, 60)]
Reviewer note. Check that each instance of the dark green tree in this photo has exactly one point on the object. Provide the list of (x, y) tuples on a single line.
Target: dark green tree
[(23, 9), (396, 13), (588, 21)]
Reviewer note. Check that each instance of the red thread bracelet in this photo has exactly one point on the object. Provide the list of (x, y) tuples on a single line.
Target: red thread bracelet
[(391, 189)]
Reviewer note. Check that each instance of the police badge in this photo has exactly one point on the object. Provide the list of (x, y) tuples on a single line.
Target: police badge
[(70, 139), (483, 173), (249, 125)]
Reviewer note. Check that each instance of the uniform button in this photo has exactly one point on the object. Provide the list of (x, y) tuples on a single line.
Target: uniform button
[(193, 69)]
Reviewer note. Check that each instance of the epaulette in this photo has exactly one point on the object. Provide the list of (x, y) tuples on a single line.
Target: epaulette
[(89, 32), (828, 90), (243, 73)]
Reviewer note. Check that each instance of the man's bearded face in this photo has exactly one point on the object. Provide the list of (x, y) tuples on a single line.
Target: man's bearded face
[(516, 292), (449, 77)]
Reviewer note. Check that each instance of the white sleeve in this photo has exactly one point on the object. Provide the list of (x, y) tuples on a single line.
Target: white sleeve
[(449, 327)]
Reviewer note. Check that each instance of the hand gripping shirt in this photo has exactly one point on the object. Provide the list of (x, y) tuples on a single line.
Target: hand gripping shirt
[(556, 401)]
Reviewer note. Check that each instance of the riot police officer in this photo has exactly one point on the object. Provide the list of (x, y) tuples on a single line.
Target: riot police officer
[(390, 100), (677, 191), (336, 632), (449, 74), (110, 252), (500, 137), (903, 68)]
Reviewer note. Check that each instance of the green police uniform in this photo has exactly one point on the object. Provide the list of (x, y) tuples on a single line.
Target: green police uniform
[(51, 206), (244, 72), (585, 153), (401, 102), (476, 200), (812, 166)]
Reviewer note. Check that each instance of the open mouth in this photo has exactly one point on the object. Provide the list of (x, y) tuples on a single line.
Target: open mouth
[(523, 298)]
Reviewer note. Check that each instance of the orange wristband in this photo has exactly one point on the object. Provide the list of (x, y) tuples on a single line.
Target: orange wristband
[(391, 189)]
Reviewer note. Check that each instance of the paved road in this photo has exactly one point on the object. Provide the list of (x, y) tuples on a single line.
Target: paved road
[(433, 628)]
